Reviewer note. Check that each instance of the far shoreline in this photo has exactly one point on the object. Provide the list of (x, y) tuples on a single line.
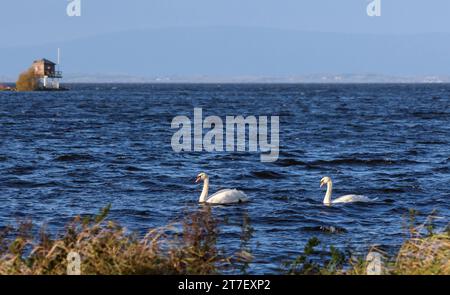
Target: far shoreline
[(12, 84)]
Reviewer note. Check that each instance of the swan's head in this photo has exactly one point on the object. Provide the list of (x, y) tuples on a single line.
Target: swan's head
[(201, 177), (324, 181)]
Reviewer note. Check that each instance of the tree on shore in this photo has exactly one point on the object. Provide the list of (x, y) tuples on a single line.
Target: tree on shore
[(28, 81)]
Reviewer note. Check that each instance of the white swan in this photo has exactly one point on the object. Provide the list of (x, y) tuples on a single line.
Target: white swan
[(344, 199), (226, 196)]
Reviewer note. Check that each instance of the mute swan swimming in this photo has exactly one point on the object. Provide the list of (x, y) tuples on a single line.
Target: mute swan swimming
[(226, 196), (344, 199)]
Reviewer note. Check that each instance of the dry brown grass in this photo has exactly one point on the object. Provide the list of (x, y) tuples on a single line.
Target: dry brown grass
[(106, 248), (424, 256), (423, 252), (190, 247)]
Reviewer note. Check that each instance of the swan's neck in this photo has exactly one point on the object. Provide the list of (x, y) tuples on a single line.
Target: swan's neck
[(204, 193), (327, 199)]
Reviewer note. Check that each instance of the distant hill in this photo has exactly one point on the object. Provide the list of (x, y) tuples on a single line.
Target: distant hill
[(240, 52)]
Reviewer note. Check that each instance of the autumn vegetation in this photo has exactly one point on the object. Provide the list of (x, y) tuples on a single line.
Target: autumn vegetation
[(28, 81), (190, 246)]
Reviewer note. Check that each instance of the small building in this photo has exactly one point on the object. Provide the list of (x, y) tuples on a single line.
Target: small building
[(48, 74), (5, 88)]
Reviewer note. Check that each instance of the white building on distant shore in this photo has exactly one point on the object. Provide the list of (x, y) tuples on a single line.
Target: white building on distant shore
[(48, 75)]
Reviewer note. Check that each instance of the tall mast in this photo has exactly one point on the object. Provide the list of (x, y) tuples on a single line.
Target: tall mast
[(59, 56)]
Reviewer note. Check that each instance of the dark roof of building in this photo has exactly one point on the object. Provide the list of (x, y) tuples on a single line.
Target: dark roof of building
[(45, 61)]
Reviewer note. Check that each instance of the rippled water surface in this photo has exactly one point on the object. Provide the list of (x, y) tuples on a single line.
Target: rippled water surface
[(69, 153)]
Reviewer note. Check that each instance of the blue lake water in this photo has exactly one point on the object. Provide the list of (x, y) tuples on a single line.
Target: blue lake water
[(69, 153)]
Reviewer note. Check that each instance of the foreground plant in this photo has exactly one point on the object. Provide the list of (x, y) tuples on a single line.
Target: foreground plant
[(190, 247), (106, 248), (424, 252)]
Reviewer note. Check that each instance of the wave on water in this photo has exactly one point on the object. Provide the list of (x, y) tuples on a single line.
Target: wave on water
[(133, 169), (291, 162), (75, 158), (331, 229), (18, 183), (266, 175), (132, 212), (21, 170), (344, 161)]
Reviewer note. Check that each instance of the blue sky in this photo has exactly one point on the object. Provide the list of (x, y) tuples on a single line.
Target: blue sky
[(34, 23), (20, 18)]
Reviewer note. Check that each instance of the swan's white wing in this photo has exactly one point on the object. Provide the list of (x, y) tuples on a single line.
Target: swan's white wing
[(352, 199), (227, 196), (221, 192)]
